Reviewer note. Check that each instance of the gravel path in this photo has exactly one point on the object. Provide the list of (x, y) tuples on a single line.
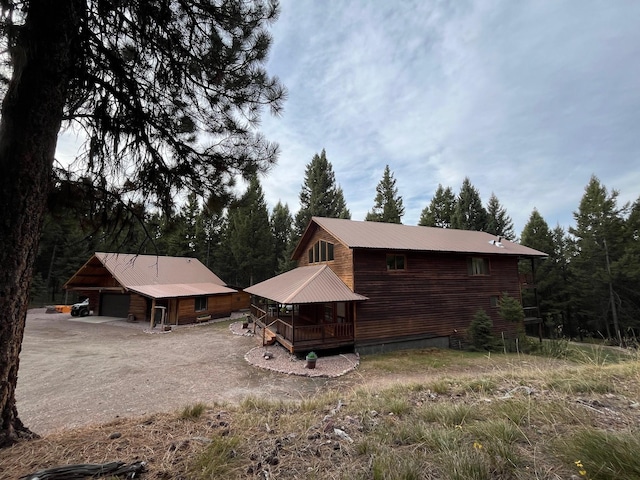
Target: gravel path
[(77, 372)]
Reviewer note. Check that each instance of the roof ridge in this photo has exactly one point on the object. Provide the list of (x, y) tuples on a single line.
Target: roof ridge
[(305, 284)]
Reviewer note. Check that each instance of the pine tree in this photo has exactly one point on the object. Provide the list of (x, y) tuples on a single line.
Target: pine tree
[(439, 212), (168, 95), (498, 222), (209, 225), (536, 233), (319, 196), (181, 236), (249, 238), (388, 205), (557, 280), (282, 228), (480, 332), (599, 237), (628, 273), (469, 213)]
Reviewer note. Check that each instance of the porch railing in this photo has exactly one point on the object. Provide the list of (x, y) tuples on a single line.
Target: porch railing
[(531, 312), (303, 333), (322, 332)]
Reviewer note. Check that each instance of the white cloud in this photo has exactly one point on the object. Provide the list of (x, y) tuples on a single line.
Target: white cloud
[(527, 99)]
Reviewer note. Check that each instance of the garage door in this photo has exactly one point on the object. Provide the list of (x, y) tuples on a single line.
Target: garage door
[(114, 305)]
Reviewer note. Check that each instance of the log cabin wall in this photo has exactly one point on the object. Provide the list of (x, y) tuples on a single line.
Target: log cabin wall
[(342, 264), (434, 296), (218, 306), (240, 301), (139, 307)]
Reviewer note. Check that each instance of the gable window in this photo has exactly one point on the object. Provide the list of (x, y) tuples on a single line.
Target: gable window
[(321, 251), (201, 304), (395, 262), (478, 266)]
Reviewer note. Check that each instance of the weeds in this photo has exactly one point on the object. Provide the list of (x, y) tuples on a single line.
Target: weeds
[(518, 418), (602, 455), (193, 412), (220, 459)]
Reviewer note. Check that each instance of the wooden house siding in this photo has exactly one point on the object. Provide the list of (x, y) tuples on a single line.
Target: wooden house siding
[(139, 307), (433, 297), (342, 264), (218, 306)]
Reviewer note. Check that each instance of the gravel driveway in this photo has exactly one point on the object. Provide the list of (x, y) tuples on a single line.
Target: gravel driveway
[(75, 373)]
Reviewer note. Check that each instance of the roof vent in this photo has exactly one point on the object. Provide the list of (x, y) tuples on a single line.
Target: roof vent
[(497, 243)]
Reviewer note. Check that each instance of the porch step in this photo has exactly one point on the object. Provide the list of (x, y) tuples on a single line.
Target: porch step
[(269, 337)]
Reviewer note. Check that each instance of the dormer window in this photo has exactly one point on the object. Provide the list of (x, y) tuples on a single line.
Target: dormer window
[(321, 251)]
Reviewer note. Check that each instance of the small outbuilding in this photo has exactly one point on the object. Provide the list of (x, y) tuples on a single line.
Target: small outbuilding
[(158, 289)]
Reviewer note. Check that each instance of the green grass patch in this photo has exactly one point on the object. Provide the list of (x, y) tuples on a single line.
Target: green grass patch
[(192, 412), (220, 459), (406, 361), (448, 414), (602, 455)]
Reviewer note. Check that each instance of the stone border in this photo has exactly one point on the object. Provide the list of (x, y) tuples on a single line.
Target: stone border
[(280, 360)]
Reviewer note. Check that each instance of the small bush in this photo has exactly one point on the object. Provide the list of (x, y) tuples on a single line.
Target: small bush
[(479, 332)]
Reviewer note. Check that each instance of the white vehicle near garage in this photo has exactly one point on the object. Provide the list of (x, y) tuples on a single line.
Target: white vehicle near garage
[(80, 309)]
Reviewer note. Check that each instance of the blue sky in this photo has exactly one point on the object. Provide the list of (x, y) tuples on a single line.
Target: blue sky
[(526, 98)]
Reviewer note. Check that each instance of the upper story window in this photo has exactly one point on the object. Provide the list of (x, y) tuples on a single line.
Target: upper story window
[(321, 251), (395, 262), (478, 266)]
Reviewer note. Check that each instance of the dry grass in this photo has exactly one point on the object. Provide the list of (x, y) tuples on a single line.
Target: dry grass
[(509, 417)]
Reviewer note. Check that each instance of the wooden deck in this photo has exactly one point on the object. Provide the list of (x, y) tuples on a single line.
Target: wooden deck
[(297, 334)]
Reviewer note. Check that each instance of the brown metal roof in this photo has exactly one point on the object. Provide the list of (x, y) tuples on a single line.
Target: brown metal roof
[(313, 284), (152, 275), (393, 236), (180, 290)]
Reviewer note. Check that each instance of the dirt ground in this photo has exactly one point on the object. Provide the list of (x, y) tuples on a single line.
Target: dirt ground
[(74, 373)]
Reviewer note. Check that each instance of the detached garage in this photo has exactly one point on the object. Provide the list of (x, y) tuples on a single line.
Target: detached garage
[(134, 286), (115, 304)]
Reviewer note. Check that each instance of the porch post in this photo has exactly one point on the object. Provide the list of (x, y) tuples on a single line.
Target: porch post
[(293, 326), (153, 313), (353, 321)]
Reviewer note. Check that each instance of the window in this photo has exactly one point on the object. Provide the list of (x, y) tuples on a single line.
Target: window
[(495, 301), (478, 266), (395, 262), (201, 304), (321, 251)]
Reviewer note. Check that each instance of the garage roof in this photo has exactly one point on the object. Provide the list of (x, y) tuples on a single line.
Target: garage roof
[(150, 275)]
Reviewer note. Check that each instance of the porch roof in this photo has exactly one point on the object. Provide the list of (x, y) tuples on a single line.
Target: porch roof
[(173, 290), (312, 284)]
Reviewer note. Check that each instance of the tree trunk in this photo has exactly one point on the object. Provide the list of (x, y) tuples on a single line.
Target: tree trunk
[(43, 56)]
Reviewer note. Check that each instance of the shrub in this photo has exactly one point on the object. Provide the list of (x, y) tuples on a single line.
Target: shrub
[(479, 332)]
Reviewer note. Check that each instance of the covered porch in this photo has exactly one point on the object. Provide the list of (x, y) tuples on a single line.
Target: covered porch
[(302, 333), (308, 308)]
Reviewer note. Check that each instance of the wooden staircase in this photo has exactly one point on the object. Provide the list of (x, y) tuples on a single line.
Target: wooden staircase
[(269, 337)]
